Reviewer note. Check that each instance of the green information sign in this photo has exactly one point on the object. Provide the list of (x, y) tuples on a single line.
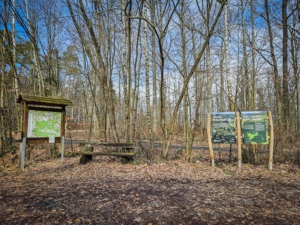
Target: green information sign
[(254, 127), (223, 127), (43, 124)]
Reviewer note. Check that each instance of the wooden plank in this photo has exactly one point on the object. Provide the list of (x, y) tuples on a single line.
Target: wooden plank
[(62, 146), (105, 153), (23, 153), (45, 109), (271, 140), (211, 151), (239, 139), (25, 120), (41, 100), (42, 140), (121, 145), (63, 122)]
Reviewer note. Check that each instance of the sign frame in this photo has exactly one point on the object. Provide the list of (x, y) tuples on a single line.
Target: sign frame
[(46, 110), (41, 103), (269, 128), (255, 127), (223, 127)]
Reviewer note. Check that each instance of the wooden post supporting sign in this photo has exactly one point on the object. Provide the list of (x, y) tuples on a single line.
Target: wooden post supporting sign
[(23, 148), (239, 139), (211, 152), (271, 140), (62, 148)]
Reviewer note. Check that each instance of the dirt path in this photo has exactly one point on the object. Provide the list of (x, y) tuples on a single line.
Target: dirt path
[(108, 192)]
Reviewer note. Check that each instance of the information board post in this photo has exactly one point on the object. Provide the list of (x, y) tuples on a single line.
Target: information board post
[(211, 152), (23, 153), (62, 148), (271, 140), (239, 139)]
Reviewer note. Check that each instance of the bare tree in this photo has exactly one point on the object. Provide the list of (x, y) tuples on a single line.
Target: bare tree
[(253, 69), (154, 67), (229, 86), (147, 67), (285, 71), (169, 134), (273, 63), (127, 72), (97, 63), (32, 32)]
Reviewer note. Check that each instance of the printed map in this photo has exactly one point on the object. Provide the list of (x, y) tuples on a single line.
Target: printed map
[(255, 127), (223, 127), (43, 124)]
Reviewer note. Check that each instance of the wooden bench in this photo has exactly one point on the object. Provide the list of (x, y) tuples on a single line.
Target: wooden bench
[(124, 150)]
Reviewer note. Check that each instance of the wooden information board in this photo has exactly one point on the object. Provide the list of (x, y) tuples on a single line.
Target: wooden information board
[(43, 119)]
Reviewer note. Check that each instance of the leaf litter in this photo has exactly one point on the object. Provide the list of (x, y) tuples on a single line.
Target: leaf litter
[(106, 191)]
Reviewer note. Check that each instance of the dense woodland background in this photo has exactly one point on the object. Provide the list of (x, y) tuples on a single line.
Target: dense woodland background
[(152, 70)]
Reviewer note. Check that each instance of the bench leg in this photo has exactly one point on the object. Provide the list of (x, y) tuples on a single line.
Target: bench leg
[(89, 157), (126, 159), (85, 158)]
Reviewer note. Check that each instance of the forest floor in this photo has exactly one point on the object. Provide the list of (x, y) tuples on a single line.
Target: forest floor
[(105, 191)]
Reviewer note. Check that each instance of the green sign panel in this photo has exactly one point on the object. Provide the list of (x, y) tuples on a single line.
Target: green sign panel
[(223, 127), (254, 127), (43, 124)]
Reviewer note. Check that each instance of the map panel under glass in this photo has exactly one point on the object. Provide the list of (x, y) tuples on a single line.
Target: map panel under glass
[(223, 127), (255, 127), (43, 124)]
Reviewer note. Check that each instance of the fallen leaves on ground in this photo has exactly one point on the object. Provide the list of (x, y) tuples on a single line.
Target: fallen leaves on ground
[(172, 192)]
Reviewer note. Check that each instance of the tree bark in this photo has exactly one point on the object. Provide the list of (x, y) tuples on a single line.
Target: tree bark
[(36, 65), (148, 103), (285, 72), (229, 86), (245, 61), (274, 63), (154, 70)]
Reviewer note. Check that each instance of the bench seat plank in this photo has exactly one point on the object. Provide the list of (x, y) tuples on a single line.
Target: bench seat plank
[(106, 153)]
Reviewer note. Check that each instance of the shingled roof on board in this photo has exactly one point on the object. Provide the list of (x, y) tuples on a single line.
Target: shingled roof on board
[(41, 100)]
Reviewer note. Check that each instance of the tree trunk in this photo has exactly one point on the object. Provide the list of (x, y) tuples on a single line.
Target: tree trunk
[(208, 61), (2, 91), (245, 61), (274, 63), (14, 66), (253, 72), (252, 100), (148, 104), (285, 72), (184, 74), (154, 70), (222, 80), (31, 23), (294, 54), (229, 86), (127, 73)]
